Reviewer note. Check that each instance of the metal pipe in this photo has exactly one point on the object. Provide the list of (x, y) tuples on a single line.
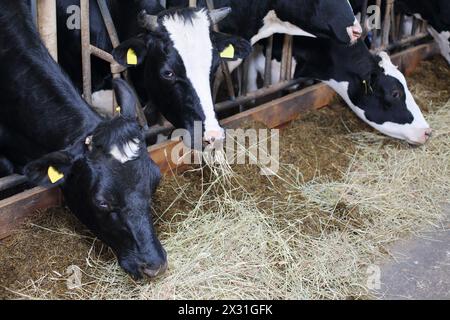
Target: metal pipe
[(47, 26), (387, 24), (407, 41), (107, 19), (224, 66), (86, 51), (268, 67), (251, 96), (33, 5), (12, 181), (376, 32), (99, 53), (364, 17), (286, 59)]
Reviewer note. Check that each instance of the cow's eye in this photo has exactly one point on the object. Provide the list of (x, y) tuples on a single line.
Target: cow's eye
[(397, 94), (168, 74), (103, 205)]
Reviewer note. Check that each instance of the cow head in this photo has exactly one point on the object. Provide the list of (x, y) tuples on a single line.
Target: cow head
[(108, 180), (383, 100), (179, 54), (335, 19)]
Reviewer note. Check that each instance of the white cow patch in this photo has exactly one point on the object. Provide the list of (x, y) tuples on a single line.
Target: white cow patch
[(128, 152), (192, 41), (442, 39), (412, 133), (257, 65), (102, 102), (233, 65), (273, 25)]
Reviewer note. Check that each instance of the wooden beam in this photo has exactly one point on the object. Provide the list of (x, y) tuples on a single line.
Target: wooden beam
[(273, 114), (281, 111), (14, 210), (409, 60)]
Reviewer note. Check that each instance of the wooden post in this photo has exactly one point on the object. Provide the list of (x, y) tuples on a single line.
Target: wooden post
[(193, 3), (46, 16)]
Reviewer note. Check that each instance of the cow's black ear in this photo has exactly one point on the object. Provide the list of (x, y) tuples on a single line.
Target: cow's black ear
[(50, 170), (231, 48), (131, 53), (125, 98)]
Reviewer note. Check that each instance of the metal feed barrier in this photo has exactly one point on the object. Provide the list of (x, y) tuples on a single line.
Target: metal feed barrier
[(24, 201)]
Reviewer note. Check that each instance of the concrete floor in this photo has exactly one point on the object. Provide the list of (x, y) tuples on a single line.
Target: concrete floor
[(420, 268)]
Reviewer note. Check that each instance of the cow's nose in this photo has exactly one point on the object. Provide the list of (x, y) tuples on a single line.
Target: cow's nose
[(213, 136), (423, 136), (355, 32), (428, 134), (153, 271)]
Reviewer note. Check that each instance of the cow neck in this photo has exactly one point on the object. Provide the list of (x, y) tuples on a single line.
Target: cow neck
[(38, 92)]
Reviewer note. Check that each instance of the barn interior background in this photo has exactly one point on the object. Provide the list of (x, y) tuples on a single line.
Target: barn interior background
[(318, 230)]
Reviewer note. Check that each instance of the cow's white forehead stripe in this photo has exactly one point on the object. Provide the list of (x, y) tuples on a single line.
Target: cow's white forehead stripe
[(191, 38), (128, 152)]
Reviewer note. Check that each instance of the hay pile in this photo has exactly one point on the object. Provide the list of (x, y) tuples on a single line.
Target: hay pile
[(309, 233)]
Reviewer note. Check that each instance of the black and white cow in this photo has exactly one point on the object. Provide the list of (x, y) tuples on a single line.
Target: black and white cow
[(435, 12), (50, 134), (172, 56), (259, 19), (370, 84)]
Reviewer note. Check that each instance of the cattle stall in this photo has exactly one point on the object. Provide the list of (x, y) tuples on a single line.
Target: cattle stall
[(276, 103)]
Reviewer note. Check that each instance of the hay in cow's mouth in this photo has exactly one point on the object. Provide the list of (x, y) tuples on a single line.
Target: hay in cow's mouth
[(309, 233)]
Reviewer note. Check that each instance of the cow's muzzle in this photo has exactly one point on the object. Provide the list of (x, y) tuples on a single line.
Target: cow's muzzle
[(355, 32), (155, 272)]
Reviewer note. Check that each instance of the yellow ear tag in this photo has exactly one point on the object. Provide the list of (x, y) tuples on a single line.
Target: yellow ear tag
[(118, 110), (228, 53), (132, 57), (54, 175)]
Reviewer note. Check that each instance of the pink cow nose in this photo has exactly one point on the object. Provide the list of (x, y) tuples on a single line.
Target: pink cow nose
[(213, 136), (428, 134), (423, 137), (355, 32)]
